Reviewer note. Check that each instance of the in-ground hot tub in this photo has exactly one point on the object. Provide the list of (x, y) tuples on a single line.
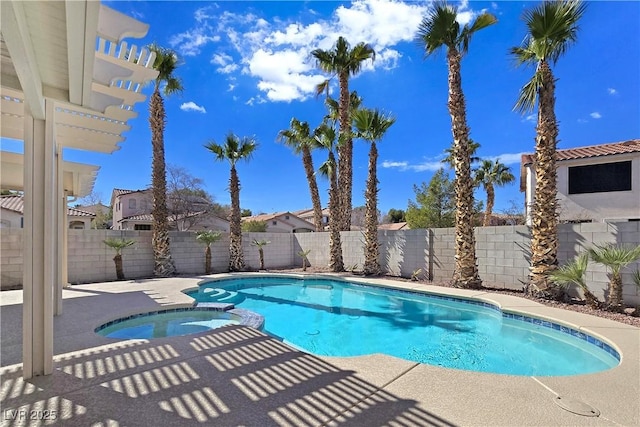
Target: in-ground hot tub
[(176, 322)]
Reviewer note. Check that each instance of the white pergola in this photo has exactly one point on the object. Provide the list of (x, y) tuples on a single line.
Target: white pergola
[(68, 80)]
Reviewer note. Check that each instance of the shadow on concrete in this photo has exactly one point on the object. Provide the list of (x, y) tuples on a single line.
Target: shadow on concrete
[(226, 377)]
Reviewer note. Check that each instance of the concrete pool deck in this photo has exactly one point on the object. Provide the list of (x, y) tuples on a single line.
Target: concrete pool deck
[(239, 376)]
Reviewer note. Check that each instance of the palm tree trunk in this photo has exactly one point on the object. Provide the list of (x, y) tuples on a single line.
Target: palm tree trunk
[(261, 253), (236, 259), (345, 156), (163, 264), (207, 260), (372, 248), (615, 292), (119, 271), (465, 274), (490, 200), (307, 161), (544, 214), (336, 262)]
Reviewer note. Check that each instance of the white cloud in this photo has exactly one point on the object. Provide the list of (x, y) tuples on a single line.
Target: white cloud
[(582, 120), (403, 166), (507, 158), (612, 91), (231, 87), (531, 118), (192, 106), (277, 53), (595, 115)]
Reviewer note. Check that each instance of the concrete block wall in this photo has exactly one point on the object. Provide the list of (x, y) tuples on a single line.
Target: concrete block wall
[(502, 253), (90, 260), (10, 257)]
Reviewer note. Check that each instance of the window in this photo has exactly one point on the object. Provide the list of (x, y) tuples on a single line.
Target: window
[(286, 217), (600, 178), (274, 222), (132, 203), (142, 227)]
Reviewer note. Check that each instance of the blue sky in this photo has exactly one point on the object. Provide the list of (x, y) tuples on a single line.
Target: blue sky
[(246, 68)]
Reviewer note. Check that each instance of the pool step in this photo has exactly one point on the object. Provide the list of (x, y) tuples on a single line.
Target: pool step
[(223, 296)]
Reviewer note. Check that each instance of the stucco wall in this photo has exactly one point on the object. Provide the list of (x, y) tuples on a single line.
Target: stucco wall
[(502, 252)]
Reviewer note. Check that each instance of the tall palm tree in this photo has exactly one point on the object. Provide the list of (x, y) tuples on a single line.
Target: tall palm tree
[(552, 29), (325, 136), (165, 63), (489, 175), (371, 125), (299, 138), (344, 62), (233, 150), (615, 258), (439, 29)]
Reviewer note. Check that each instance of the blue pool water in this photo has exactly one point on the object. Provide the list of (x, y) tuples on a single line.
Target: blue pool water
[(336, 318), (166, 323)]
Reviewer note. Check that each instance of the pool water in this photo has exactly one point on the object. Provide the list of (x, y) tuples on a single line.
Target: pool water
[(166, 324), (335, 318)]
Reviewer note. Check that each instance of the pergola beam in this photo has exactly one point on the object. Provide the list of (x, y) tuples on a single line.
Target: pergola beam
[(17, 38)]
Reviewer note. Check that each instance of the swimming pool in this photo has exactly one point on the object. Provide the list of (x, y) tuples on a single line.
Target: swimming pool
[(335, 318)]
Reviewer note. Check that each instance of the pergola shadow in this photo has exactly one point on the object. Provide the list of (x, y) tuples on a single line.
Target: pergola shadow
[(234, 375)]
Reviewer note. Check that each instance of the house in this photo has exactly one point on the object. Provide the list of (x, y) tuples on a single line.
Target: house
[(599, 183), (282, 222), (307, 215), (12, 214), (132, 211)]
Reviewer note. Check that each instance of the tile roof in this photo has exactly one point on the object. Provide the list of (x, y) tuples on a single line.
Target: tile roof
[(631, 146), (16, 204)]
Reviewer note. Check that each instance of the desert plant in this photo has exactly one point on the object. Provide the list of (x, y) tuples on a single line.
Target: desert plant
[(615, 258), (303, 254), (208, 237), (260, 244), (415, 275), (118, 245), (573, 273)]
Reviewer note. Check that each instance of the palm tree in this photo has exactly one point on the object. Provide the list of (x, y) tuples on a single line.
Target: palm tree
[(615, 258), (208, 237), (437, 30), (450, 158), (304, 254), (371, 125), (260, 244), (233, 150), (491, 174), (573, 272), (552, 29), (118, 245), (299, 138), (325, 135), (165, 63), (343, 62)]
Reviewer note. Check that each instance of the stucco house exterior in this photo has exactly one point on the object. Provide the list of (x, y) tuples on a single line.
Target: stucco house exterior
[(132, 211), (599, 183), (283, 222), (12, 214), (307, 215)]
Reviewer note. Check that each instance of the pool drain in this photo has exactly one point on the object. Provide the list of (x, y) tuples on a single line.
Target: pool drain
[(576, 407)]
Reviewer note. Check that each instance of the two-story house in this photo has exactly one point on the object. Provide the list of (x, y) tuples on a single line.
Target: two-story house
[(132, 211), (599, 183)]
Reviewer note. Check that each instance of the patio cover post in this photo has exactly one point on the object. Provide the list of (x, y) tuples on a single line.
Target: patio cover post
[(39, 243), (61, 232)]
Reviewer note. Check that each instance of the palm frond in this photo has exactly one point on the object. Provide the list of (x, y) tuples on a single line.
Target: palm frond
[(614, 257), (529, 94), (322, 88), (572, 273)]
